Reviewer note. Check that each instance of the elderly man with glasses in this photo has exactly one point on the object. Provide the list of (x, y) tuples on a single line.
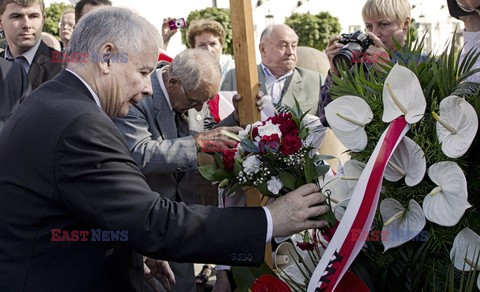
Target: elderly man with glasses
[(165, 132)]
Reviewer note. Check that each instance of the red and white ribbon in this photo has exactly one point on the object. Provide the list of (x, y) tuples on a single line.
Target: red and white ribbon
[(345, 246)]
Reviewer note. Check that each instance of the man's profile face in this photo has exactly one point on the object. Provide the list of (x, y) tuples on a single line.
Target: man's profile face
[(22, 26), (279, 52), (126, 83), (182, 100)]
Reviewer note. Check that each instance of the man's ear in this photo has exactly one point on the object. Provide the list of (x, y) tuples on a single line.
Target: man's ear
[(261, 48), (106, 52)]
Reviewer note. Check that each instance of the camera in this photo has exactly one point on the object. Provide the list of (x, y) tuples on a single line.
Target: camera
[(177, 23), (355, 45)]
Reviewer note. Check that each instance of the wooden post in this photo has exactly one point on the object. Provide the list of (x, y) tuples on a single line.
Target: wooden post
[(247, 79)]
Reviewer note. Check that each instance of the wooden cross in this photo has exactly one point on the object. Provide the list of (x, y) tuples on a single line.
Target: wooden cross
[(247, 80)]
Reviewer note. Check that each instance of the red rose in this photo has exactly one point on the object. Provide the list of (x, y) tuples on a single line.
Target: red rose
[(278, 119), (288, 127), (228, 159), (269, 143), (290, 144), (269, 283)]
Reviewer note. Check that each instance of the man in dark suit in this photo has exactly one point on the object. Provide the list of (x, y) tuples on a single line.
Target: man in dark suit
[(13, 87), (22, 24), (76, 211)]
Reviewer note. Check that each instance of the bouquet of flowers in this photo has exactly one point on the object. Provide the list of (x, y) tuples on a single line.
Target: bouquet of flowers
[(427, 221), (275, 156)]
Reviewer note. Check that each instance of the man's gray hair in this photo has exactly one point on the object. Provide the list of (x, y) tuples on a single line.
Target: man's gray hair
[(194, 65), (268, 31), (126, 30)]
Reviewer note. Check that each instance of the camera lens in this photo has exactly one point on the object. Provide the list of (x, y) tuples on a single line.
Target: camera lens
[(348, 55)]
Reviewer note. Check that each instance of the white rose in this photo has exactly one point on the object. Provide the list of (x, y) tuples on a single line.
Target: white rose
[(251, 165), (269, 129), (274, 185)]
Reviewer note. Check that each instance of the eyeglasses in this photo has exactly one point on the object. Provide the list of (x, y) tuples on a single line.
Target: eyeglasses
[(467, 8), (192, 102)]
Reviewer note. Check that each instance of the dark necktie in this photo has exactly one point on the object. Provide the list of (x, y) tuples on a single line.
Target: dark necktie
[(181, 121), (22, 61)]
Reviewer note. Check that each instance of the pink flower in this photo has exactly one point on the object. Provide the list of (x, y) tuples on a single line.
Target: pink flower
[(290, 144), (228, 159), (269, 283)]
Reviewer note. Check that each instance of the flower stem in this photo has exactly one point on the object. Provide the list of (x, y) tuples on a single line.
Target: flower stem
[(395, 100), (444, 123), (393, 218), (353, 121), (397, 167), (435, 191)]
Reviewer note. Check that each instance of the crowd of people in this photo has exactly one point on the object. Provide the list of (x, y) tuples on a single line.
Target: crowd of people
[(114, 146)]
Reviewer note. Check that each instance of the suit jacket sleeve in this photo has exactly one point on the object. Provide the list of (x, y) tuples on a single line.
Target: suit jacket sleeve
[(155, 155), (97, 180)]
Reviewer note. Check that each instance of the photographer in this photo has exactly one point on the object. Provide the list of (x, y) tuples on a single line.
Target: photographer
[(384, 20), (468, 12)]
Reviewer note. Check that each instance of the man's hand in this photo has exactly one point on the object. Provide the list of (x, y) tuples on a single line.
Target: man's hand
[(291, 213), (160, 270), (215, 140), (222, 284), (167, 33), (236, 98)]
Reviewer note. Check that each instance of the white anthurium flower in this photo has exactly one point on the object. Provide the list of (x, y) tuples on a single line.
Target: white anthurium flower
[(457, 125), (403, 96), (340, 209), (407, 161), (465, 252), (400, 225), (341, 187), (446, 204), (347, 117)]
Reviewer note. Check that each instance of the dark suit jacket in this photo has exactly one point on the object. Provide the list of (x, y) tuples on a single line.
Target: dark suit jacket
[(13, 87), (64, 165), (42, 68)]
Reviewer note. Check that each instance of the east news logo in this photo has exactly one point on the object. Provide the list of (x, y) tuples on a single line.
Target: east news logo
[(92, 235)]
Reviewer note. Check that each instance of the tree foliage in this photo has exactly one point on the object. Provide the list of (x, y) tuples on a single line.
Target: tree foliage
[(53, 13), (221, 15), (314, 30)]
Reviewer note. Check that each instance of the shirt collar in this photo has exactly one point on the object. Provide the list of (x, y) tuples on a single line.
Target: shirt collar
[(95, 96), (159, 73), (29, 55), (269, 73)]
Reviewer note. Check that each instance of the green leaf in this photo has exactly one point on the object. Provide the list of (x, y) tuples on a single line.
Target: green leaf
[(207, 171), (223, 183), (231, 190), (309, 170), (219, 160), (321, 170), (287, 179), (237, 167), (221, 174)]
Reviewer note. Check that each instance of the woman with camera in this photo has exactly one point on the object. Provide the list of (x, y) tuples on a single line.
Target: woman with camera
[(385, 20)]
